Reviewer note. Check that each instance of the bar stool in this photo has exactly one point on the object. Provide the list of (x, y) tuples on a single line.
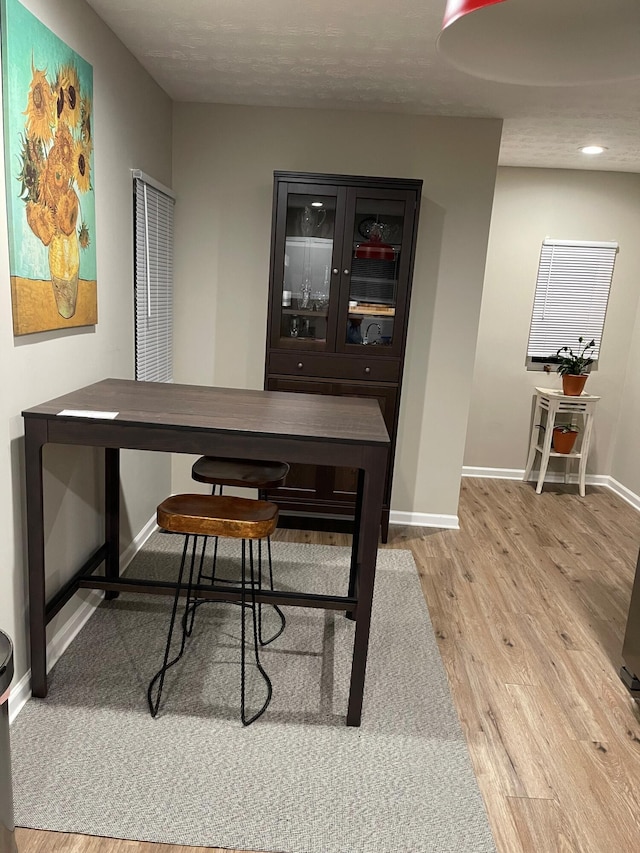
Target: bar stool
[(207, 516), (554, 403), (243, 473)]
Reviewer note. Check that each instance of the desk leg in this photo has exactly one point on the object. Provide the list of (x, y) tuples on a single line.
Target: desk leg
[(35, 437), (353, 573), (112, 515), (372, 483)]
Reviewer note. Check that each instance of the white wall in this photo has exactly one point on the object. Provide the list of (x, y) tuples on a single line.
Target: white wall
[(625, 465), (529, 205), (132, 129), (224, 157)]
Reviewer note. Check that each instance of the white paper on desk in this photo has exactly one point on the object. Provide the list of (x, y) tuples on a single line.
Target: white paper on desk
[(79, 413)]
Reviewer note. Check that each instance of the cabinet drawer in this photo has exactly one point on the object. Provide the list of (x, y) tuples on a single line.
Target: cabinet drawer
[(374, 369)]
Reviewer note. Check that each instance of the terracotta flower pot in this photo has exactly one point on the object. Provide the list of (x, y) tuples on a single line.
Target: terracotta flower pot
[(563, 441), (572, 385)]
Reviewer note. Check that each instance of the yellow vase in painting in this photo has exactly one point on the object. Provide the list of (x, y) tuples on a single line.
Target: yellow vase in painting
[(64, 264)]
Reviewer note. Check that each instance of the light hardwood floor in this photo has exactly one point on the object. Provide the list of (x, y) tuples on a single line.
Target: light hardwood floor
[(528, 601)]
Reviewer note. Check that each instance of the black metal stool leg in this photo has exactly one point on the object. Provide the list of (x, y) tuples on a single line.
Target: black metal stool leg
[(189, 617), (215, 547), (188, 628), (253, 606), (159, 676), (262, 494), (189, 614), (283, 620), (201, 575)]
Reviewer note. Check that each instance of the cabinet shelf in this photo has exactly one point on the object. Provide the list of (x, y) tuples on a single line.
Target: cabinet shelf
[(395, 246), (301, 343), (304, 312), (374, 280), (371, 311)]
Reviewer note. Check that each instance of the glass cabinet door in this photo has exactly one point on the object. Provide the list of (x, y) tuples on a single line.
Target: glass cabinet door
[(306, 267), (375, 271)]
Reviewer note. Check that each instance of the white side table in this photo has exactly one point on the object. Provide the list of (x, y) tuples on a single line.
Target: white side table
[(555, 402)]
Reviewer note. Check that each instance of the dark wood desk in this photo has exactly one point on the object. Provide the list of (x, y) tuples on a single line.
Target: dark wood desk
[(270, 425)]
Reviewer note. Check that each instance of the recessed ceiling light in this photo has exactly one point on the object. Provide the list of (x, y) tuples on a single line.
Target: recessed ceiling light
[(593, 149), (316, 204)]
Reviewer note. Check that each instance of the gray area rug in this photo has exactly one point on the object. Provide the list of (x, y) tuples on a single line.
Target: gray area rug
[(90, 758)]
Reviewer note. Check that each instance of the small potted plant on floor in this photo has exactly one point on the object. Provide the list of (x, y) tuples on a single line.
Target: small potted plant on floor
[(573, 367), (564, 437)]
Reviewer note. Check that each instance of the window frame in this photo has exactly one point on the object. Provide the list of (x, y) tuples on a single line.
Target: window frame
[(153, 232), (566, 268)]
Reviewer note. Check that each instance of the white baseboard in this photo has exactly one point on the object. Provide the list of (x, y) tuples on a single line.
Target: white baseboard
[(20, 693), (493, 473), (624, 493), (67, 633), (64, 636), (518, 474), (424, 519), (556, 477), (132, 549)]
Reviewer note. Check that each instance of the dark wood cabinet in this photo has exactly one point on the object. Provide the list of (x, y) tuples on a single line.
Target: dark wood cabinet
[(342, 255)]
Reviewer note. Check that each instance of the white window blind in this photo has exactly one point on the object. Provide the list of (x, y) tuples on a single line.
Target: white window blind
[(153, 206), (572, 292)]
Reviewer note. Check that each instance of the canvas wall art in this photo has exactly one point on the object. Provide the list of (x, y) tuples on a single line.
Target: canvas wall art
[(48, 140)]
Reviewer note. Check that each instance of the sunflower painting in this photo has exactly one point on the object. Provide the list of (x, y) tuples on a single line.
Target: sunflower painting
[(48, 97)]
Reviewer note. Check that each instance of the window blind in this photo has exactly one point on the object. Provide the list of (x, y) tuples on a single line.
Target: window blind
[(153, 213), (572, 292)]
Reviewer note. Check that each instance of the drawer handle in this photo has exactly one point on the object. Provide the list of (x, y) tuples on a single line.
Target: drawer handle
[(367, 370), (300, 365)]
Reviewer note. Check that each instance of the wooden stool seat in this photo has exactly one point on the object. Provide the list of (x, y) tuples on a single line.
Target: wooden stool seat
[(218, 515), (247, 473), (213, 516)]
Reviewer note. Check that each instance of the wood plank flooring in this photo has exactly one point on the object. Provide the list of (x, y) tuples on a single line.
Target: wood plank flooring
[(528, 601)]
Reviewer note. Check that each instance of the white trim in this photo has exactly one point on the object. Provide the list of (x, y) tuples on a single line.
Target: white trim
[(605, 480), (624, 493), (599, 245), (19, 695), (64, 636), (424, 519), (494, 473), (67, 633), (142, 176), (518, 474), (558, 477), (132, 549)]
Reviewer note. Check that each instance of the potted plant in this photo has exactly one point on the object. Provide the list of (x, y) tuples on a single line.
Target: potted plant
[(573, 367), (564, 437)]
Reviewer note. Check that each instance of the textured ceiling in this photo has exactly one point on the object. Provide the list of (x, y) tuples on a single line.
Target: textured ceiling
[(366, 55)]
